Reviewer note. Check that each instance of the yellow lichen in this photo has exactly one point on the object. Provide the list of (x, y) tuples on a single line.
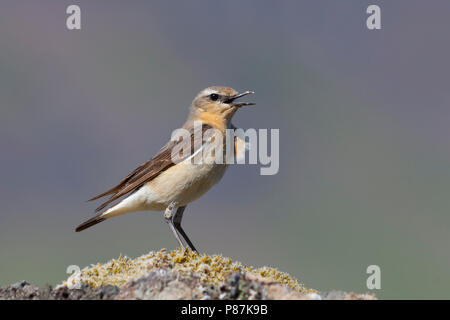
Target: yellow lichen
[(211, 269)]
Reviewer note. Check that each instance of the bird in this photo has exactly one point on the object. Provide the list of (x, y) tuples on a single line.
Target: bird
[(169, 183)]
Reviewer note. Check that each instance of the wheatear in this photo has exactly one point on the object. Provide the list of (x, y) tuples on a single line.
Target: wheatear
[(162, 184)]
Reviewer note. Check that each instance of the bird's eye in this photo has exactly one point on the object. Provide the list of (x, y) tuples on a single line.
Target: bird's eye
[(214, 96)]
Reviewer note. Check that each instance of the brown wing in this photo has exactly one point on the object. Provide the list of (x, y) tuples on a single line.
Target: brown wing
[(150, 169)]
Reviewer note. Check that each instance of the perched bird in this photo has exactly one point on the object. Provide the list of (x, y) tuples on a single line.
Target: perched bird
[(165, 184)]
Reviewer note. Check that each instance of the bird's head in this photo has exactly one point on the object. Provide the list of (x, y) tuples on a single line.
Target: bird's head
[(218, 102)]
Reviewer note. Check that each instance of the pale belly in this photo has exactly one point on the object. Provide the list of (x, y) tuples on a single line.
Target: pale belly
[(183, 184), (180, 184)]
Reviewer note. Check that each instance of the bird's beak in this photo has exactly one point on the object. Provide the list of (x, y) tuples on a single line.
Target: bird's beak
[(240, 104)]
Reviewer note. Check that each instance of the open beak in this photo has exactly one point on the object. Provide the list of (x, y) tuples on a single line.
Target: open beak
[(240, 104)]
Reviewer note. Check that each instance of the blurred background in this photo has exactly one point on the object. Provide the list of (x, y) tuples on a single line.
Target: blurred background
[(364, 126)]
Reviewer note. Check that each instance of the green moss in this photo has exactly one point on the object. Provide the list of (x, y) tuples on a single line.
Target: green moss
[(211, 269)]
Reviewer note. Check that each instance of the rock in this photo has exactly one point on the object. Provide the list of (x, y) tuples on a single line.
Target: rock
[(179, 274)]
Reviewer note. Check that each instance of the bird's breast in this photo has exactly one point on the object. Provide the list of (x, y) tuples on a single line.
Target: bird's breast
[(185, 182)]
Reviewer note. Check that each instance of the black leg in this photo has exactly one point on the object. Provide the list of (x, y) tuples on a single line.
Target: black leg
[(169, 217), (177, 223)]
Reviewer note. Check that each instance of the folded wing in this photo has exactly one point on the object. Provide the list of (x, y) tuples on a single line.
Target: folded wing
[(151, 168)]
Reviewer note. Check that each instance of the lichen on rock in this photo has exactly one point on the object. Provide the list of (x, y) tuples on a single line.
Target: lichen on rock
[(210, 269), (178, 274)]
